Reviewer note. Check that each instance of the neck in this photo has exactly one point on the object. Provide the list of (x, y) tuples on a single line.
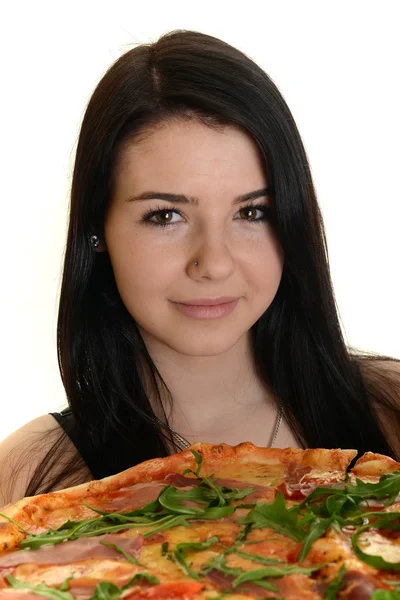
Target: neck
[(210, 393)]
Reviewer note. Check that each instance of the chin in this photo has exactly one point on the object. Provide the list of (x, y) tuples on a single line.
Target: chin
[(205, 345)]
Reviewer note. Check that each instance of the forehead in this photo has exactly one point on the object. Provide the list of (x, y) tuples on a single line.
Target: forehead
[(190, 154)]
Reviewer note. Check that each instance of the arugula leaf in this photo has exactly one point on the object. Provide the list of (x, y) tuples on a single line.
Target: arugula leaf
[(263, 560), (41, 589), (256, 575), (172, 521), (216, 512), (184, 547), (171, 499), (335, 585), (219, 500), (316, 530), (219, 563), (243, 533), (278, 517), (199, 461), (15, 523), (265, 584), (105, 590), (164, 548), (235, 494), (386, 595), (131, 559), (337, 503), (387, 487), (64, 587), (147, 576)]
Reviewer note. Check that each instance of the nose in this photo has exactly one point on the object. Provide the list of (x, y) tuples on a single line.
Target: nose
[(213, 255)]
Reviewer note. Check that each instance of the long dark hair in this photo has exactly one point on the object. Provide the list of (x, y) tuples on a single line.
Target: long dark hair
[(331, 394)]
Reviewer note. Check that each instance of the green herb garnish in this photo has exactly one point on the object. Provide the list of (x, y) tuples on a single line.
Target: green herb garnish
[(278, 517), (164, 548), (105, 590), (183, 548), (131, 559), (257, 575), (386, 595), (199, 461), (376, 561), (15, 523), (335, 585), (263, 560), (346, 499)]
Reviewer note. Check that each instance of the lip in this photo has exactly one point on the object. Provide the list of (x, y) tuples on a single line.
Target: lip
[(208, 308), (209, 301)]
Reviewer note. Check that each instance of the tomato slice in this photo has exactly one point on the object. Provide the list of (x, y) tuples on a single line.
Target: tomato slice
[(180, 590)]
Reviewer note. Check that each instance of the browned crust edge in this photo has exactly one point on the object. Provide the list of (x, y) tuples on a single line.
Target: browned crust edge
[(214, 456)]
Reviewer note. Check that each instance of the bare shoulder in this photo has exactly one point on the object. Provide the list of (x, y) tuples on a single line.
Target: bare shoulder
[(23, 450)]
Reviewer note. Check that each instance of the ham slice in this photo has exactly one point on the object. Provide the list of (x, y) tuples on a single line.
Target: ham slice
[(178, 480), (358, 585), (361, 586), (296, 484), (81, 549), (224, 582), (132, 498)]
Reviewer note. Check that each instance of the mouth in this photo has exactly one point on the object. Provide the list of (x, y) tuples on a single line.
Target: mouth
[(209, 301), (207, 308)]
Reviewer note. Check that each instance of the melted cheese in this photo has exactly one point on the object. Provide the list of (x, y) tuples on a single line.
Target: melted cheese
[(96, 569), (376, 544)]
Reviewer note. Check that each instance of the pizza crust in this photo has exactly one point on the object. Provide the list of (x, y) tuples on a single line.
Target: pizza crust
[(267, 470), (255, 464), (374, 465)]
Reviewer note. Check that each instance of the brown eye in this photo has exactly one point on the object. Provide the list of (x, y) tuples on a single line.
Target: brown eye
[(254, 214), (249, 213), (163, 216)]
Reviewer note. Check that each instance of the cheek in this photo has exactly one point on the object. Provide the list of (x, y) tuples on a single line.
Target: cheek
[(265, 266), (143, 271)]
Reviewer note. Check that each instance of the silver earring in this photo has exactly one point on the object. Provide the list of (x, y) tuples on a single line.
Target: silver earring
[(94, 240), (195, 263)]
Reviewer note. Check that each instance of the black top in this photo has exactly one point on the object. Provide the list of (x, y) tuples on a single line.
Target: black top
[(67, 421)]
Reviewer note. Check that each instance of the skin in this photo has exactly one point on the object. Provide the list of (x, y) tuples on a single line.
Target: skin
[(207, 364)]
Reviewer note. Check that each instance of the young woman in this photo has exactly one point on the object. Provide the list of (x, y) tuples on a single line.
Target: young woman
[(196, 300)]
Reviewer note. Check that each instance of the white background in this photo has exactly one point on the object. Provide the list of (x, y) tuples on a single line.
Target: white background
[(335, 62)]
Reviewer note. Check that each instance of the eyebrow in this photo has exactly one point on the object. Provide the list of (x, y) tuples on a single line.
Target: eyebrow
[(193, 200)]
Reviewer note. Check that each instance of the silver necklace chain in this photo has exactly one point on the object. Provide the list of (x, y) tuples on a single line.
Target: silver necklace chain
[(185, 443)]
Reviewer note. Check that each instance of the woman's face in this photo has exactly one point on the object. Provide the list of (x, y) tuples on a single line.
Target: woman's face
[(153, 253)]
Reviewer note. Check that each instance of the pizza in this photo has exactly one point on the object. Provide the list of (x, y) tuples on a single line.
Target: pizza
[(213, 522)]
